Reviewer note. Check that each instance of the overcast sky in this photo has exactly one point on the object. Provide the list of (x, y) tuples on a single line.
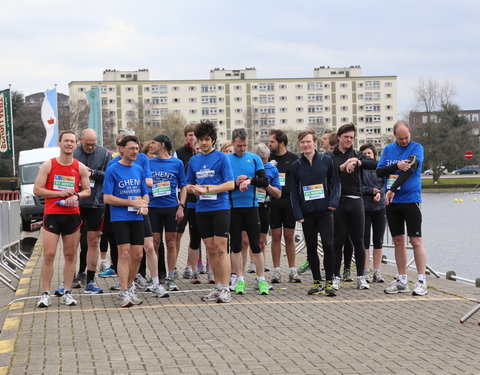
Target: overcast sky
[(55, 42)]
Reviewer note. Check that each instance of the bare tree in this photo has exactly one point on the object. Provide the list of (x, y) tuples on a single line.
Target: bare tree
[(172, 124), (293, 144)]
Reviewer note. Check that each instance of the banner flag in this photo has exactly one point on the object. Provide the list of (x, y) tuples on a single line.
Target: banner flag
[(6, 123), (50, 118), (95, 114)]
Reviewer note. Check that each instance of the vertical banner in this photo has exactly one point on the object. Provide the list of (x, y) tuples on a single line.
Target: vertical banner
[(6, 123), (95, 114), (50, 118)]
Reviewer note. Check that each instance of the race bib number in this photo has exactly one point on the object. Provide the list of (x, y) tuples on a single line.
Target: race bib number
[(281, 176), (390, 180), (63, 182), (161, 189), (261, 195), (208, 196), (92, 182), (313, 192), (133, 209)]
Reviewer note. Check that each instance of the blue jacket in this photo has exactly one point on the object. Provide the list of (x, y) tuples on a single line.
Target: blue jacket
[(370, 180), (304, 176)]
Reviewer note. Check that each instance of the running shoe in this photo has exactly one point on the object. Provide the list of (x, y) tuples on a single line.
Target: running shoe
[(125, 299), (92, 288), (240, 287), (263, 287), (329, 289), (60, 290), (251, 268), (109, 272), (368, 276), (276, 277), (45, 300), (212, 296), (133, 295), (362, 283), (175, 274), (67, 299), (82, 279), (293, 277), (76, 283), (171, 286), (116, 285), (224, 296), (159, 291), (316, 288), (103, 266), (187, 274), (336, 282), (211, 277), (200, 268), (347, 275), (140, 282), (196, 278), (304, 268), (377, 277), (397, 287), (257, 282), (420, 289)]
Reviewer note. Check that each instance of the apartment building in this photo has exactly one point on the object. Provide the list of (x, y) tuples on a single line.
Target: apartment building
[(237, 98)]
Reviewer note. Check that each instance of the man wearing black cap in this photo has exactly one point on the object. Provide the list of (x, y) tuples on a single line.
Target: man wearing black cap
[(166, 208)]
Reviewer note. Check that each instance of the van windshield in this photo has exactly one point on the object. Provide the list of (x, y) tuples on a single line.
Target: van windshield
[(28, 172)]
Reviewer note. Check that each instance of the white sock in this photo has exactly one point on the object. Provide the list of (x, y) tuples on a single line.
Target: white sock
[(277, 269), (260, 278), (403, 279), (155, 280), (240, 278), (292, 269), (421, 278)]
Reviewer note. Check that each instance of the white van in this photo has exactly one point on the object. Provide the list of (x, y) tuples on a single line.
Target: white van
[(29, 162)]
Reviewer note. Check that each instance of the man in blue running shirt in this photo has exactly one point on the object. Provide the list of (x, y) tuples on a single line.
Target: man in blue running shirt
[(249, 173), (401, 165), (210, 177)]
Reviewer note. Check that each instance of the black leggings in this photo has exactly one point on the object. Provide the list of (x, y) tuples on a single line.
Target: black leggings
[(321, 222), (245, 218), (349, 218), (376, 220), (107, 239)]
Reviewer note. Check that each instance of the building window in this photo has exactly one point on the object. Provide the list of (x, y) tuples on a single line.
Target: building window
[(343, 97), (389, 118), (238, 87), (299, 97), (283, 98), (262, 87), (344, 119), (213, 100), (175, 88), (237, 99), (82, 101), (129, 100), (192, 88), (299, 86), (104, 101), (388, 107), (238, 110), (283, 109), (376, 107), (129, 89), (343, 85), (344, 108), (213, 110), (299, 121), (283, 121), (204, 88), (81, 89), (254, 87), (282, 86), (205, 111), (388, 84), (388, 96), (376, 84), (270, 86), (238, 122), (263, 98), (299, 109), (111, 101), (192, 100)]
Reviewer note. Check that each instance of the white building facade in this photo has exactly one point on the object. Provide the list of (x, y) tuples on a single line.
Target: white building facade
[(237, 98)]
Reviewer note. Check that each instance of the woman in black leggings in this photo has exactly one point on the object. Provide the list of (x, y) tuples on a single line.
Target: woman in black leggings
[(375, 218)]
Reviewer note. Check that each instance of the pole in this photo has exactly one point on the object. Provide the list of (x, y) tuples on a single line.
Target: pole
[(100, 136), (58, 122), (13, 132)]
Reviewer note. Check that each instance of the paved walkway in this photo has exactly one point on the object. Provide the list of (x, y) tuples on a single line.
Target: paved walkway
[(286, 332)]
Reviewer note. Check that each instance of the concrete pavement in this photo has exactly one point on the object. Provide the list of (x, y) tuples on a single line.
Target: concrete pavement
[(286, 332)]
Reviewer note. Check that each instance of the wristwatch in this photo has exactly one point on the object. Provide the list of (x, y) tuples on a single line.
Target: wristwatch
[(78, 195), (182, 205)]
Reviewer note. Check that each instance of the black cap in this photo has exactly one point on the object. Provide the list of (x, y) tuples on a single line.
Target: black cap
[(165, 139)]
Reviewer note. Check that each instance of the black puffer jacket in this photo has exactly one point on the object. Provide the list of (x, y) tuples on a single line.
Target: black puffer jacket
[(370, 180)]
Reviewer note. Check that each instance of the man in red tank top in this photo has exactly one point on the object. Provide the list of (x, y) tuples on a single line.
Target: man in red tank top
[(59, 181)]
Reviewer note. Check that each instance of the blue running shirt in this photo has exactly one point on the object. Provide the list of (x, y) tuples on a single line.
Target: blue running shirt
[(247, 164), (141, 160), (210, 169), (127, 182), (410, 190), (167, 175), (273, 179)]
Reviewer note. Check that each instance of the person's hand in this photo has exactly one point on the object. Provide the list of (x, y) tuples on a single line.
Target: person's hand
[(389, 197), (179, 215), (332, 208), (71, 201), (244, 185), (404, 165), (301, 221), (376, 197), (199, 190), (143, 211), (240, 179), (66, 193), (139, 203)]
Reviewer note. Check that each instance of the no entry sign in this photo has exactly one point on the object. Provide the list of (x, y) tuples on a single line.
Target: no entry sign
[(468, 155)]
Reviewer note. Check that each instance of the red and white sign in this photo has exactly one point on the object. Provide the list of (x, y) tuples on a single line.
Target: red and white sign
[(468, 155)]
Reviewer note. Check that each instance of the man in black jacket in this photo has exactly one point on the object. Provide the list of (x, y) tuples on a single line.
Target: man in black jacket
[(349, 217), (92, 209)]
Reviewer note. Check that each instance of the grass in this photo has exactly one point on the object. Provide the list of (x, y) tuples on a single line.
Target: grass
[(452, 181)]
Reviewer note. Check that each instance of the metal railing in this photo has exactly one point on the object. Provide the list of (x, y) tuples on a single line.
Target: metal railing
[(11, 257)]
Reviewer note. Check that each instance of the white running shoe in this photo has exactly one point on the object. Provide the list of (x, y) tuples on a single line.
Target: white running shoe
[(224, 296), (125, 299), (212, 296), (67, 299), (45, 300), (159, 291), (362, 283), (420, 289), (336, 282)]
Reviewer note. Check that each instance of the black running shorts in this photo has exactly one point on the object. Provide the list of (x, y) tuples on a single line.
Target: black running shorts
[(281, 214), (214, 223), (399, 214), (163, 218), (128, 232), (62, 224), (92, 218)]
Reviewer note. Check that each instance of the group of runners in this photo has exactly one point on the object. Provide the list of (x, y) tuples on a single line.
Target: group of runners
[(139, 203)]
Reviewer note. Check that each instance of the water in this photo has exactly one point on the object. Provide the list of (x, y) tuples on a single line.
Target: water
[(451, 233)]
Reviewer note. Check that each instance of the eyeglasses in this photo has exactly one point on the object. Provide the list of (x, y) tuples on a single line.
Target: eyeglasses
[(132, 148), (89, 144)]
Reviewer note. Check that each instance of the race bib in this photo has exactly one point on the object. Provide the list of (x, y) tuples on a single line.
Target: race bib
[(261, 195), (133, 209), (390, 180), (63, 182), (313, 192), (282, 179), (208, 196), (92, 182), (161, 189)]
